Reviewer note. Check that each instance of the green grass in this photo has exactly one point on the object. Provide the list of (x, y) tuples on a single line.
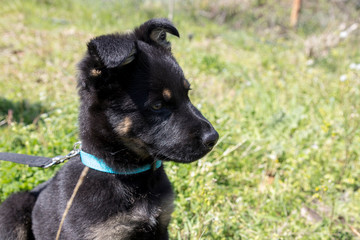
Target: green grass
[(289, 130)]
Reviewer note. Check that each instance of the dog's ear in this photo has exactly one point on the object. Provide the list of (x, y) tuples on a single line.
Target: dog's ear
[(112, 50), (154, 32)]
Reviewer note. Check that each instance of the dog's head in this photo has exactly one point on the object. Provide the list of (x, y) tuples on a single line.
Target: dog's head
[(135, 93)]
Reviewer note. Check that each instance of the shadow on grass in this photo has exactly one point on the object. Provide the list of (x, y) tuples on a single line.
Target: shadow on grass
[(21, 111)]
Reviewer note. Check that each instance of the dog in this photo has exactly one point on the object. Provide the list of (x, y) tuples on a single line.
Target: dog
[(134, 112)]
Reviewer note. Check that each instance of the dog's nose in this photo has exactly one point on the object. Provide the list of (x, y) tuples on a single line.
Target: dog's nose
[(210, 139)]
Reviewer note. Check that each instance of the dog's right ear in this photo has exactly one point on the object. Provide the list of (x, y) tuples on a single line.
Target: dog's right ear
[(112, 50), (154, 32)]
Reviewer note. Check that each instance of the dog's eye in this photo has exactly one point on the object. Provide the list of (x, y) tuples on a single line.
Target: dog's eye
[(157, 106)]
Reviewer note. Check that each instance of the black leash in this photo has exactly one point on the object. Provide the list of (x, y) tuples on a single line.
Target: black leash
[(36, 161), (32, 161)]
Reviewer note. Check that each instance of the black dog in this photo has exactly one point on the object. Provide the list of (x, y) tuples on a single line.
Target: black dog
[(134, 111)]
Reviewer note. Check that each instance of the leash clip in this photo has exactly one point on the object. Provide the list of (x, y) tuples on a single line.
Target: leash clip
[(60, 159)]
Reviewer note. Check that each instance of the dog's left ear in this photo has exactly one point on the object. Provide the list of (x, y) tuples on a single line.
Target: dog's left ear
[(154, 32), (112, 50)]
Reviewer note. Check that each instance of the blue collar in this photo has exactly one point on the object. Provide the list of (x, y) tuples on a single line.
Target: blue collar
[(98, 164)]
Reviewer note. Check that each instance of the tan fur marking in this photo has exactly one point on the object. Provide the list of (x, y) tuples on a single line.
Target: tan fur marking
[(110, 229), (167, 94), (21, 232), (122, 225), (186, 84), (124, 127), (167, 208), (138, 146), (95, 73)]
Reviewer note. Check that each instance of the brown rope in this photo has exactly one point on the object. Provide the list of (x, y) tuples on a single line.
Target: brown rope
[(69, 203)]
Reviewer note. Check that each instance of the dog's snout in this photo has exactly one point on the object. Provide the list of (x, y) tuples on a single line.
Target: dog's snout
[(210, 139)]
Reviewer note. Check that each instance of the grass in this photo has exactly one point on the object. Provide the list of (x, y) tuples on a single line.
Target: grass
[(289, 125)]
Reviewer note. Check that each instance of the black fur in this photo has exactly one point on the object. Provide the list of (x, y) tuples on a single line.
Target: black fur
[(134, 109), (15, 216)]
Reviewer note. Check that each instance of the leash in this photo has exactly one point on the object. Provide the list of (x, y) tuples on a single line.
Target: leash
[(36, 161), (87, 159)]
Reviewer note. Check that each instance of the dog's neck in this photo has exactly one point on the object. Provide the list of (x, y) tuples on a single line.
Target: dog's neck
[(116, 155), (99, 139)]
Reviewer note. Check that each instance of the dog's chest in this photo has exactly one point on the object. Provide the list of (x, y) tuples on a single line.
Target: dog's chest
[(144, 219)]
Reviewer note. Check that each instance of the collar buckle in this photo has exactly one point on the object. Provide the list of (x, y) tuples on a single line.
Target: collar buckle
[(60, 159)]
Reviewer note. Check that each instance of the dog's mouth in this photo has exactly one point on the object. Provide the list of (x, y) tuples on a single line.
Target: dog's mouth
[(181, 156), (183, 150)]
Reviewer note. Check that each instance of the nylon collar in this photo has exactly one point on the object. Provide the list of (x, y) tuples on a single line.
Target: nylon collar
[(98, 164)]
